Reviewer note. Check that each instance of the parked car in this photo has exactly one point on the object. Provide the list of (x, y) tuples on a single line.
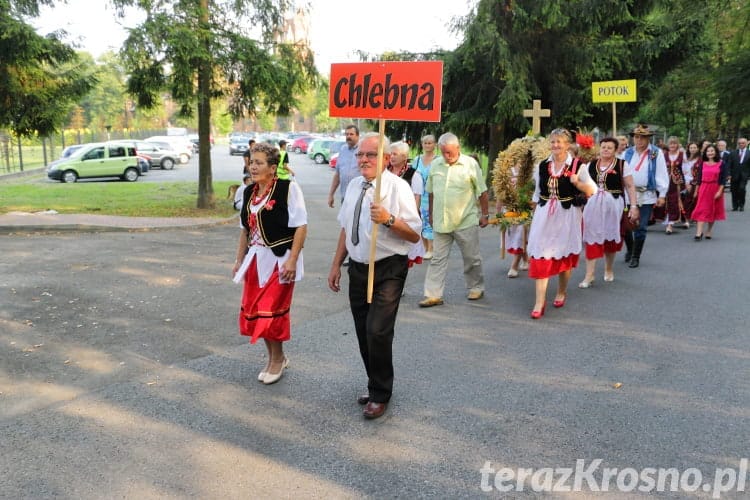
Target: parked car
[(179, 143), (196, 141), (68, 151), (300, 144), (158, 154), (143, 163), (238, 144), (334, 159), (321, 150), (98, 159)]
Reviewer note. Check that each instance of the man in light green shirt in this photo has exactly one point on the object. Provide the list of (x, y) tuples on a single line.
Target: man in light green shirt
[(455, 185)]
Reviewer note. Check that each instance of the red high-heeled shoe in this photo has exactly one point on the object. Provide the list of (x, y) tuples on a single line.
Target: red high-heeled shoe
[(538, 314), (559, 303)]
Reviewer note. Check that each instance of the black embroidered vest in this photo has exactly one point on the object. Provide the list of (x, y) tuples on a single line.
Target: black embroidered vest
[(273, 223), (566, 191), (612, 181)]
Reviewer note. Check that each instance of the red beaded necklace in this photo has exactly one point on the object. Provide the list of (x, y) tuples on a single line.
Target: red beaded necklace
[(255, 199)]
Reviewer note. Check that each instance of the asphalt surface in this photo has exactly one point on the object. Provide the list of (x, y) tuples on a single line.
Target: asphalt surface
[(123, 375)]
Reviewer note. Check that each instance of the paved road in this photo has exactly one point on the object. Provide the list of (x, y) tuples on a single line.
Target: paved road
[(122, 374)]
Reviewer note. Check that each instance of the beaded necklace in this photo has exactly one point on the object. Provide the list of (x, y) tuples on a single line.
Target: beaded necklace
[(252, 218), (255, 199), (603, 172)]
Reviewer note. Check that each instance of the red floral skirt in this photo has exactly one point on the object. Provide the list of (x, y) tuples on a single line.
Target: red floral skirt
[(264, 312), (545, 268), (597, 250)]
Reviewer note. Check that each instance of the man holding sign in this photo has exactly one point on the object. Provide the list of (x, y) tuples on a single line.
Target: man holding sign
[(400, 227)]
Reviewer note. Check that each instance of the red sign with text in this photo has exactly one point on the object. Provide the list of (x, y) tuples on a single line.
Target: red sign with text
[(403, 90)]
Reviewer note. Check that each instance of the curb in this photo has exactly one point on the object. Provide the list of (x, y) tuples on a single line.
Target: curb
[(87, 227)]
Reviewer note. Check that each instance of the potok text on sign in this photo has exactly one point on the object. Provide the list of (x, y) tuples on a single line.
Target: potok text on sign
[(614, 91)]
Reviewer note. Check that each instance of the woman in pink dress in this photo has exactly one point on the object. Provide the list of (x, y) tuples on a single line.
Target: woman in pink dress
[(709, 205)]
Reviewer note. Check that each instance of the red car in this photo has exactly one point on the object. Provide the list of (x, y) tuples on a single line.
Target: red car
[(333, 160), (300, 144)]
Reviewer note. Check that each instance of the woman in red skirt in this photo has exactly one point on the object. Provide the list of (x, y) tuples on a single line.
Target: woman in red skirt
[(555, 239), (269, 257)]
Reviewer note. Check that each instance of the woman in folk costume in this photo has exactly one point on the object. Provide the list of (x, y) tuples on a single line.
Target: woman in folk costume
[(399, 165), (555, 239), (673, 209), (269, 257), (690, 167), (513, 183), (603, 211), (515, 236)]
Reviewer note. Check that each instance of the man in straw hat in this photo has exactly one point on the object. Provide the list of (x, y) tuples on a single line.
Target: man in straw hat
[(645, 162)]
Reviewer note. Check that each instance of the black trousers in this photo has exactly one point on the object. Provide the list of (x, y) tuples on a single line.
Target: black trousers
[(738, 187), (374, 322)]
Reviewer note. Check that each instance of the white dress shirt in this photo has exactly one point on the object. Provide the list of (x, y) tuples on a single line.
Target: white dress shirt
[(397, 197)]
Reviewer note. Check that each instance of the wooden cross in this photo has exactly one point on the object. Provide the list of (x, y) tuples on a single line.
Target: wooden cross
[(535, 113)]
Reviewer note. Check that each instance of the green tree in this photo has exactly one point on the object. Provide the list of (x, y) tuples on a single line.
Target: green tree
[(516, 50), (41, 78), (732, 65), (201, 49)]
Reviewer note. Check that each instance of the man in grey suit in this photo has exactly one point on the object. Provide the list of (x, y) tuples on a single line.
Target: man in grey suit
[(739, 168)]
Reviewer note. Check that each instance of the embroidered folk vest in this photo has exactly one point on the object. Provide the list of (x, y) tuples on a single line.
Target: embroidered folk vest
[(566, 191), (613, 180), (273, 223)]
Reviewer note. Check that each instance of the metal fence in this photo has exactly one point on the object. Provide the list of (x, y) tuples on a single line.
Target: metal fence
[(24, 154)]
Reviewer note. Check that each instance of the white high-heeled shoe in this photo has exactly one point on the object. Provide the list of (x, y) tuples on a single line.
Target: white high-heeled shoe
[(264, 372), (586, 284), (272, 378)]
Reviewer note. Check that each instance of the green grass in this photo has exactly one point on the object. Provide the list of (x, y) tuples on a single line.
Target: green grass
[(133, 199)]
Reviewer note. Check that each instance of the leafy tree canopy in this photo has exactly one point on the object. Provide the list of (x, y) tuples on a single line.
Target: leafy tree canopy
[(40, 77)]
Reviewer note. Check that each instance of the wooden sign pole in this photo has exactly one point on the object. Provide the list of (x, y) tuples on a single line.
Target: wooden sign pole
[(614, 119), (376, 199)]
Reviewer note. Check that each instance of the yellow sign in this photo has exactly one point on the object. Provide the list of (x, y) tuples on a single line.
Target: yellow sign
[(615, 91)]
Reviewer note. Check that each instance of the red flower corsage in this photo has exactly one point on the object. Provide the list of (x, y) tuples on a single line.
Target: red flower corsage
[(585, 141), (567, 173), (270, 204)]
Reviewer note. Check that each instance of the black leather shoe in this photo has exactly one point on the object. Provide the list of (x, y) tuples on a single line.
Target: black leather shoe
[(634, 262), (374, 410), (363, 399), (742, 209)]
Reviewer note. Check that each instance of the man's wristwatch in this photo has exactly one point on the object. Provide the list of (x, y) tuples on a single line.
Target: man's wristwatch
[(391, 221)]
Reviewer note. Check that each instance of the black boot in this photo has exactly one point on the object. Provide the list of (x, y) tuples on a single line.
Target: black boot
[(628, 237), (637, 249)]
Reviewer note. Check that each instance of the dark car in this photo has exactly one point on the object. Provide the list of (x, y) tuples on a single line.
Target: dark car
[(70, 150), (196, 142), (238, 144)]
